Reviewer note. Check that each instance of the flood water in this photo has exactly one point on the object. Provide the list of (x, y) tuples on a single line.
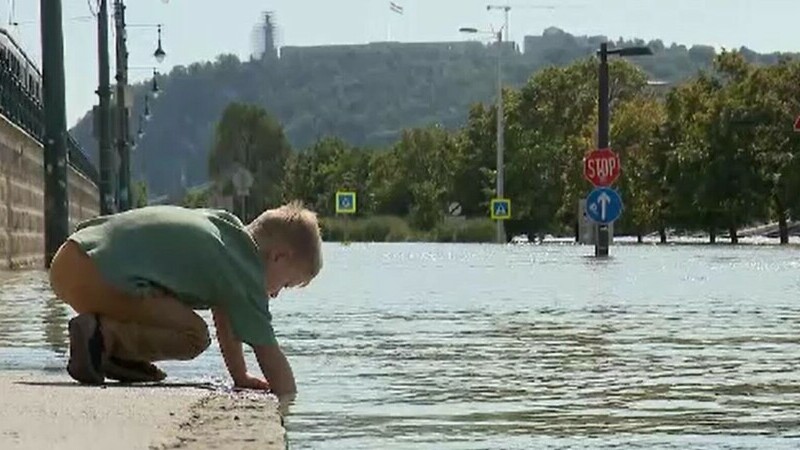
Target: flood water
[(511, 347)]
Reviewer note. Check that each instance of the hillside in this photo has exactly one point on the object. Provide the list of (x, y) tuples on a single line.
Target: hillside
[(365, 94)]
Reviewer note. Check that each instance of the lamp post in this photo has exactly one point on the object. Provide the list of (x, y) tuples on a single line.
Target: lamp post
[(56, 203), (107, 160), (124, 192), (500, 230), (155, 90), (115, 192), (602, 237), (146, 112)]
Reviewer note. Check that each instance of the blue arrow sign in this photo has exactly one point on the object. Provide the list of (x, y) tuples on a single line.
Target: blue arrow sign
[(603, 205), (345, 202)]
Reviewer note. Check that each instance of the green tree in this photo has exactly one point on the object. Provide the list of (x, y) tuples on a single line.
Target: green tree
[(248, 136), (474, 161), (635, 137), (685, 134), (330, 165), (773, 97), (417, 176), (139, 194), (197, 198)]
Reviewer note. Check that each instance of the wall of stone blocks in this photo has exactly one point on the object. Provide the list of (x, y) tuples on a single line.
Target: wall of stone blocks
[(22, 198)]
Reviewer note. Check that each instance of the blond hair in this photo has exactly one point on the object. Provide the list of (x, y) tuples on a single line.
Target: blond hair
[(295, 226)]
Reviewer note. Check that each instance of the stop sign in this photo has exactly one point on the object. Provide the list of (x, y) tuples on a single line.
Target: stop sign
[(601, 167)]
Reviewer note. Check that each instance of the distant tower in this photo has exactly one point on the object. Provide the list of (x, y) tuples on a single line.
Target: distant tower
[(264, 32)]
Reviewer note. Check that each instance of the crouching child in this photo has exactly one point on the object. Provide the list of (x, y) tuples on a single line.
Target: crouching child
[(137, 278)]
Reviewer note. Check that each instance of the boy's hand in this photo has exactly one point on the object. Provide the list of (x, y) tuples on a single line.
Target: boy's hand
[(250, 382)]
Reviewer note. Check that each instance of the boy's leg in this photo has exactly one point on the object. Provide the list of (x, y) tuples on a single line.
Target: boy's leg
[(130, 329)]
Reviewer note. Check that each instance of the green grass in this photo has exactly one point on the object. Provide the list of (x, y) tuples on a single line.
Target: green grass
[(397, 229)]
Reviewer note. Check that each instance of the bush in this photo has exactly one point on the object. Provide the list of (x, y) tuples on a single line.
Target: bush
[(371, 229), (397, 229)]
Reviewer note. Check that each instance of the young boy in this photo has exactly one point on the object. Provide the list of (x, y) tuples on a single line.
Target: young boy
[(136, 277)]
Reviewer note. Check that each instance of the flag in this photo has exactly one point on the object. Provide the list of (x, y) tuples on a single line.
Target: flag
[(396, 8)]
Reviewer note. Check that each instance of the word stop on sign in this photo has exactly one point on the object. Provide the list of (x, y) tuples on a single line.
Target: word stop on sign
[(601, 168)]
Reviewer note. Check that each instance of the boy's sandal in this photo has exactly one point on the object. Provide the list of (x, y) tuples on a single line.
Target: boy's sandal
[(85, 350)]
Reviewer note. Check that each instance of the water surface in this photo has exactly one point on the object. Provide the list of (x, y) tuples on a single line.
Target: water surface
[(484, 346)]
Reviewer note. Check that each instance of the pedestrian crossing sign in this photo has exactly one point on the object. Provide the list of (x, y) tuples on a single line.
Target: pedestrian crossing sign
[(501, 209), (345, 202)]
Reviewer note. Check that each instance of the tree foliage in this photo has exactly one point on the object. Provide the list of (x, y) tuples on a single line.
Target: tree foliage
[(714, 153), (248, 137), (364, 94), (413, 131)]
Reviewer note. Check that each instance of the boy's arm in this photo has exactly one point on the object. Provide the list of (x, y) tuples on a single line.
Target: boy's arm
[(276, 369), (231, 349)]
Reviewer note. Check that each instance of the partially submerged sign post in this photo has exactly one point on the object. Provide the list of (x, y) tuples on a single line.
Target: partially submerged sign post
[(346, 204), (602, 168)]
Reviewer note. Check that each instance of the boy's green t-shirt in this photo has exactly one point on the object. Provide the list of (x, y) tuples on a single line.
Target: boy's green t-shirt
[(204, 257)]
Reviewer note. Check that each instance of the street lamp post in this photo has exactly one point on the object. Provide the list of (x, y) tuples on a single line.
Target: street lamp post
[(56, 196), (107, 179), (501, 232), (147, 111), (124, 193), (115, 192), (500, 177), (602, 237)]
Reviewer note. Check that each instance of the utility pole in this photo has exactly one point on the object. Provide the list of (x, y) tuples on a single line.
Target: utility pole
[(107, 178), (56, 207), (124, 193), (501, 232)]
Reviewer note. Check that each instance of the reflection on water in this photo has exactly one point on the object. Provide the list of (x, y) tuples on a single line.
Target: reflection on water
[(458, 346), (30, 315)]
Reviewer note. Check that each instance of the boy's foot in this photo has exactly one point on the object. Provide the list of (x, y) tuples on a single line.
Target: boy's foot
[(127, 371), (85, 350)]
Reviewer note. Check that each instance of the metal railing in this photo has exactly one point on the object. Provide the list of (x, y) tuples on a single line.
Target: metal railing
[(27, 112), (80, 161)]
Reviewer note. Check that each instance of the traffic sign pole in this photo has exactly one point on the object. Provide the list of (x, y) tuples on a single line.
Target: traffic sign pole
[(346, 204), (602, 238)]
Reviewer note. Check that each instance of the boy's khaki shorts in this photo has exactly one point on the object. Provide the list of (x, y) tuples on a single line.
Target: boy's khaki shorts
[(148, 329)]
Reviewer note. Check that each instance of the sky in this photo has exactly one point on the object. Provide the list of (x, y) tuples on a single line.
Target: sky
[(199, 30)]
